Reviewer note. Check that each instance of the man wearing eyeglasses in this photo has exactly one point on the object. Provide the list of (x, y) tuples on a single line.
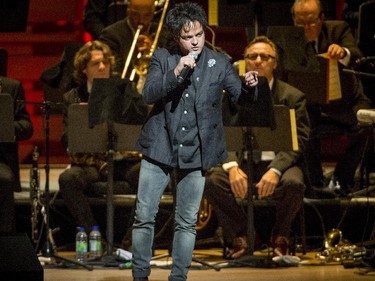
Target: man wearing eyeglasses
[(278, 174), (335, 39)]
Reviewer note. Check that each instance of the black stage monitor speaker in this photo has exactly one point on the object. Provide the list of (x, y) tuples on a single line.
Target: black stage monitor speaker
[(13, 15), (18, 260)]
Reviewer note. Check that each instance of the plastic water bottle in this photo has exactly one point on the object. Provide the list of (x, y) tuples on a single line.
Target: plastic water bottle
[(81, 245), (95, 242)]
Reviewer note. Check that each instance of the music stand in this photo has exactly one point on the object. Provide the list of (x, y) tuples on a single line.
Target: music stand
[(6, 118), (295, 54), (96, 128), (263, 139), (239, 136)]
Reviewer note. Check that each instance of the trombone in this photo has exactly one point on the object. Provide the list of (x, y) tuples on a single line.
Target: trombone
[(143, 60), (130, 55)]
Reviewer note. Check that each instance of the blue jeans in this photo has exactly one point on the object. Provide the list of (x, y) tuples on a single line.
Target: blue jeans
[(152, 183)]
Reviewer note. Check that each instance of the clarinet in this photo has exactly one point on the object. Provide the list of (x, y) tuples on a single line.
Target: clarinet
[(35, 194)]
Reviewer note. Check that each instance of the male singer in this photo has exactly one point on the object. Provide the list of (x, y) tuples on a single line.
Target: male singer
[(183, 134)]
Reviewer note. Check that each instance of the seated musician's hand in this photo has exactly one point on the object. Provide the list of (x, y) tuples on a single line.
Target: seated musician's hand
[(238, 182), (336, 52), (267, 184)]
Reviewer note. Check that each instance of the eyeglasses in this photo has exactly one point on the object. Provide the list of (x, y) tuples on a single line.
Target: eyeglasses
[(263, 57), (311, 23)]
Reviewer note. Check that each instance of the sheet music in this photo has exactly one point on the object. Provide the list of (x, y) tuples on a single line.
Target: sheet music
[(320, 87), (333, 79)]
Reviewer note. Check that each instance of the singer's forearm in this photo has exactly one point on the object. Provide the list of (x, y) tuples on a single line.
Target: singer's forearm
[(158, 84)]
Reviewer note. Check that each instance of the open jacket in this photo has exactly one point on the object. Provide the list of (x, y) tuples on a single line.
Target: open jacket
[(162, 89)]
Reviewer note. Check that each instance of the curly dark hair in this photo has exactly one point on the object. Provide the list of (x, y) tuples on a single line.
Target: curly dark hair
[(83, 56), (183, 14)]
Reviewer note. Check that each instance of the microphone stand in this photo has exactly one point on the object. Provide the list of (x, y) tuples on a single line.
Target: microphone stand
[(47, 250), (249, 260), (359, 73)]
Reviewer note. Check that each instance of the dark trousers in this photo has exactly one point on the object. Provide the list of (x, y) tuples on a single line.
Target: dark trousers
[(75, 184), (231, 216), (346, 164), (7, 206)]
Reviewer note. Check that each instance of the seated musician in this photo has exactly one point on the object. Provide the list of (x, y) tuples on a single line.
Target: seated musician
[(278, 176), (335, 39), (9, 169), (140, 14), (95, 60)]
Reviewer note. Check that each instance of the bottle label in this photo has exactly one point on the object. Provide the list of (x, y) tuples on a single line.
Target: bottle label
[(95, 245), (81, 246)]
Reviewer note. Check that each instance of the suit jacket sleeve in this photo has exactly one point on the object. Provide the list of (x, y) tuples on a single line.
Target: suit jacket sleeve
[(22, 122), (294, 99), (338, 32)]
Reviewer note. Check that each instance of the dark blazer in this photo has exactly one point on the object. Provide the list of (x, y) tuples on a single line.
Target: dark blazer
[(285, 94), (282, 94), (338, 32), (344, 110), (119, 37), (161, 89), (22, 124)]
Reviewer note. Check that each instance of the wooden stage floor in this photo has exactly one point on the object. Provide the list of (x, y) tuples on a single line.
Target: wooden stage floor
[(310, 269)]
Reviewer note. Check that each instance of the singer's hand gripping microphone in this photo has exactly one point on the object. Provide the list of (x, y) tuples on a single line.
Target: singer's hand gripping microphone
[(185, 71)]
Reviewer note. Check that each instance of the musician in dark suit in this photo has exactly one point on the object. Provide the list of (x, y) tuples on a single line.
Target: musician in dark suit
[(9, 168), (99, 14), (183, 134), (336, 40), (278, 175), (119, 36)]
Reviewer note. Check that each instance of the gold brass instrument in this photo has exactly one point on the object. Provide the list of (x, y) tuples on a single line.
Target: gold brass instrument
[(131, 52), (142, 61), (204, 214), (98, 160), (338, 249)]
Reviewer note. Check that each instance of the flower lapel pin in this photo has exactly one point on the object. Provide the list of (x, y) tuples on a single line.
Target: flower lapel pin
[(211, 62)]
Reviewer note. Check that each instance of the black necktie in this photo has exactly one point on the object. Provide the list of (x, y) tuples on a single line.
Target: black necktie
[(312, 44)]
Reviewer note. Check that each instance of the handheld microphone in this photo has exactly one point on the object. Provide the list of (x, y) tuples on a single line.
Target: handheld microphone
[(185, 71)]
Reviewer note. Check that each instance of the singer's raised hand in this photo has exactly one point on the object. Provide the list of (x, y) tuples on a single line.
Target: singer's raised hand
[(188, 61), (251, 78)]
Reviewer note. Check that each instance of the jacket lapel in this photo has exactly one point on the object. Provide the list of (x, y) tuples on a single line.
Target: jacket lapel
[(205, 73)]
